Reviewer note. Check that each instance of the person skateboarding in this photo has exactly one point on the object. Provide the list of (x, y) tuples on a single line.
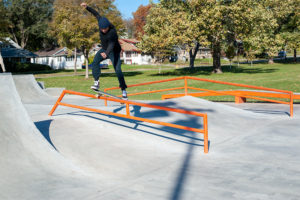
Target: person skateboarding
[(111, 49)]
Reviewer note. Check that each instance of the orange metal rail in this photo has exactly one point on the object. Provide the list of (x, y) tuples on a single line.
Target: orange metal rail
[(204, 131), (232, 93), (238, 94)]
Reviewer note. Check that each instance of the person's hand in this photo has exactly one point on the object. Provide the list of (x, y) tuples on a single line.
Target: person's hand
[(103, 55), (84, 5)]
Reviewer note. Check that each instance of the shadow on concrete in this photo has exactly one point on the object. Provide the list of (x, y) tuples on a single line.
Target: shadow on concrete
[(177, 132), (191, 139), (182, 176), (271, 112), (44, 127)]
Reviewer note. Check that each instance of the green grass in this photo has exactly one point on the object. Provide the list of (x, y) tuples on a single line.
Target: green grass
[(59, 73), (279, 76)]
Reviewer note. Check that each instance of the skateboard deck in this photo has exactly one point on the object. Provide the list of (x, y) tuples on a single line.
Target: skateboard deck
[(101, 93)]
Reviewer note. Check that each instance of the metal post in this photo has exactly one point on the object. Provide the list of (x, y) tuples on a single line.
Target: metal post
[(291, 104), (185, 86), (57, 102), (127, 109), (205, 124)]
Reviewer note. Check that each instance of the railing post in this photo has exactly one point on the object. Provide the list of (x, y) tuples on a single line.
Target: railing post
[(205, 126), (56, 104), (185, 86), (291, 104), (105, 101), (127, 109)]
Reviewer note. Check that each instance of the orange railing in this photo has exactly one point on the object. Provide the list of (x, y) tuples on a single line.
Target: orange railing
[(204, 131), (240, 96)]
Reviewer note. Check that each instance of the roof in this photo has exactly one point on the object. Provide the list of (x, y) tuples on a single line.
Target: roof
[(129, 45), (7, 42), (126, 45), (133, 41), (59, 51), (16, 53)]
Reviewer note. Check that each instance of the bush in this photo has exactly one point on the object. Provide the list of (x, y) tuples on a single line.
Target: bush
[(25, 67)]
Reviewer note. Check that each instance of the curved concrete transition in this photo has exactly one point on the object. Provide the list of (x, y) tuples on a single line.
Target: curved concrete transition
[(29, 90), (254, 151), (30, 168)]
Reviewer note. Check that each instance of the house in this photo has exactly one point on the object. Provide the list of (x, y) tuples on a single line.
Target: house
[(183, 53), (59, 58), (130, 54), (12, 52)]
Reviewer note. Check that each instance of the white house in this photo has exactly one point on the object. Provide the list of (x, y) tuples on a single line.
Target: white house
[(130, 54), (58, 58), (184, 55)]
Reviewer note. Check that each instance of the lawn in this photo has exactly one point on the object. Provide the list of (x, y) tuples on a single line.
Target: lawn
[(279, 76)]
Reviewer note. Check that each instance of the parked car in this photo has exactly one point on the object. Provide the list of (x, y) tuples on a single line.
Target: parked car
[(262, 55), (102, 66), (282, 54), (173, 58)]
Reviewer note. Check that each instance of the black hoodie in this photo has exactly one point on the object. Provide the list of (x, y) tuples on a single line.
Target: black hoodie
[(109, 40)]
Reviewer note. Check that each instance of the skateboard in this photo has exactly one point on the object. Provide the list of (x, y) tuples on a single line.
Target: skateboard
[(101, 93)]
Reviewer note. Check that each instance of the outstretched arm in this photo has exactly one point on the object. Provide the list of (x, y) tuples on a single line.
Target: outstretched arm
[(91, 10)]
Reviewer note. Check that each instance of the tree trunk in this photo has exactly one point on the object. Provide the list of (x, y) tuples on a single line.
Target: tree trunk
[(75, 61), (271, 61), (295, 55), (193, 53), (217, 58), (86, 55), (2, 63)]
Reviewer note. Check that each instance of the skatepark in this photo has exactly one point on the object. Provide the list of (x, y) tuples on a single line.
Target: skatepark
[(78, 154)]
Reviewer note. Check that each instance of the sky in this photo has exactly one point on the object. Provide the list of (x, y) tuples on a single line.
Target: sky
[(127, 7)]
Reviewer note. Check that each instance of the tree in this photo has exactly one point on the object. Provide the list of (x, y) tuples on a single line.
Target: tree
[(28, 19), (75, 28), (3, 32), (139, 20), (291, 29), (230, 53), (130, 29), (169, 25)]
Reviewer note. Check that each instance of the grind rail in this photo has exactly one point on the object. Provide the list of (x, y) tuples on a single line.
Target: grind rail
[(240, 95), (204, 131)]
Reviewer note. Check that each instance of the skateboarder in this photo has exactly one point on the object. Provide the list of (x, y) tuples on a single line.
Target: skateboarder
[(111, 49)]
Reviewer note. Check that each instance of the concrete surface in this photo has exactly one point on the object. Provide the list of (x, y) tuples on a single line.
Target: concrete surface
[(54, 91), (254, 151), (29, 90)]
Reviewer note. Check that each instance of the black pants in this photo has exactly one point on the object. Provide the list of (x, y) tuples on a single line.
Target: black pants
[(116, 61)]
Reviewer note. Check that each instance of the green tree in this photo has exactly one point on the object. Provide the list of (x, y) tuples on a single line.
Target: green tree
[(230, 53), (28, 19), (130, 30), (76, 29), (3, 31), (290, 31), (168, 25)]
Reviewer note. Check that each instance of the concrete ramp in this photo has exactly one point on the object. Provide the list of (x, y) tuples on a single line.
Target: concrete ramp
[(30, 91), (30, 168)]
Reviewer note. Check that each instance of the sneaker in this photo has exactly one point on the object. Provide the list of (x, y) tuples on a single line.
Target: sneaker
[(95, 86), (124, 95)]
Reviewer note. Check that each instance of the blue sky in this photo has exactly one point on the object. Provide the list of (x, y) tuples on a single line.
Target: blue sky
[(127, 7)]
